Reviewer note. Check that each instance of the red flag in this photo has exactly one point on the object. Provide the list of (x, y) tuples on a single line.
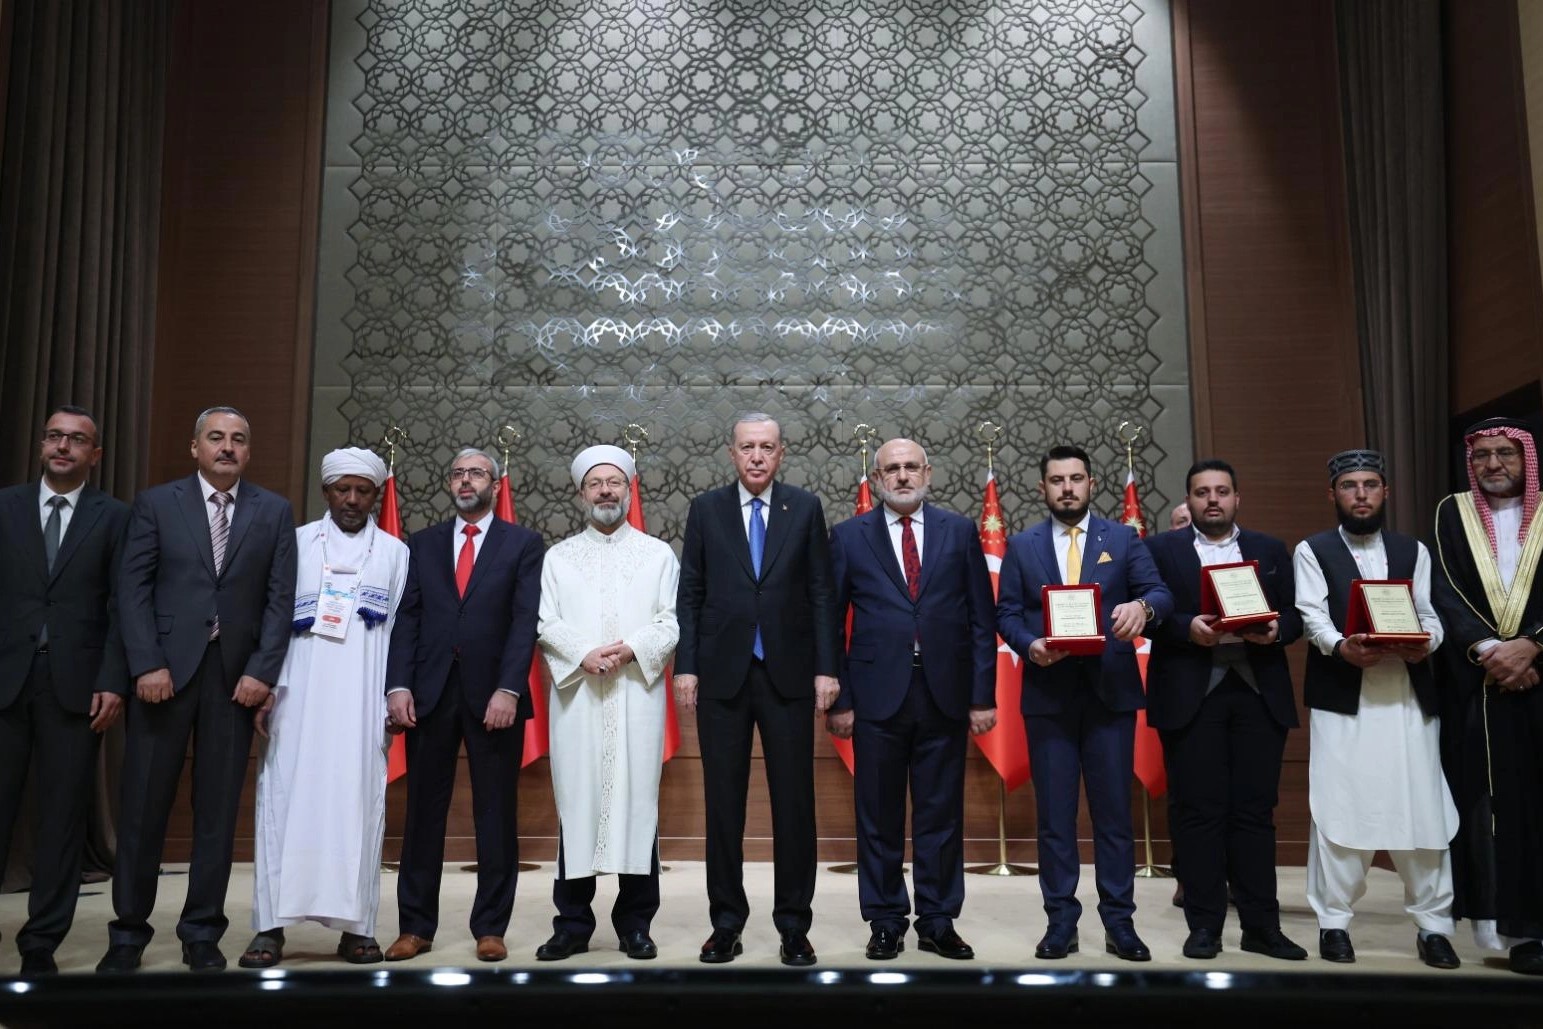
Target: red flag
[(1149, 747), (390, 520), (1006, 746), (844, 747), (671, 722), (536, 734)]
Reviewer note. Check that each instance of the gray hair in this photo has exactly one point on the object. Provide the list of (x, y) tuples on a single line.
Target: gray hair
[(208, 412), (498, 473), (754, 418)]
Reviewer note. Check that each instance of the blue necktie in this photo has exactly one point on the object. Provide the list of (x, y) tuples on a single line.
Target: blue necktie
[(757, 549)]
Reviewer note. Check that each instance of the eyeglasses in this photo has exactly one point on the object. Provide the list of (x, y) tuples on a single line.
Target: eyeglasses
[(910, 468), (1505, 454), (1349, 487), (470, 474), (54, 437), (615, 485)]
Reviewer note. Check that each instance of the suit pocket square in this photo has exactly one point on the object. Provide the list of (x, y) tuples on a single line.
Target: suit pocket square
[(1105, 558)]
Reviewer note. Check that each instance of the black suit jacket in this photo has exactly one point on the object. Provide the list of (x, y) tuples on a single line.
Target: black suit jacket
[(491, 631), (1180, 671), (953, 617), (85, 647), (169, 593), (720, 601)]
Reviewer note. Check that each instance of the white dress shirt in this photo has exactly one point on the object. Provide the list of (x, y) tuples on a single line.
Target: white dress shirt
[(209, 491), (892, 519), (71, 501), (745, 496), (458, 539), (1063, 541)]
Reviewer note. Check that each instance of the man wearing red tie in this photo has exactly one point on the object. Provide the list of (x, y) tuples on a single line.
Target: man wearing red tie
[(460, 656)]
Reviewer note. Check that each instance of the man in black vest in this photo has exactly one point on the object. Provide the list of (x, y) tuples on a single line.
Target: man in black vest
[(1374, 773)]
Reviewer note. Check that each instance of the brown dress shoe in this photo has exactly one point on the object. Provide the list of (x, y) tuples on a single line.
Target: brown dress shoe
[(491, 948), (408, 946)]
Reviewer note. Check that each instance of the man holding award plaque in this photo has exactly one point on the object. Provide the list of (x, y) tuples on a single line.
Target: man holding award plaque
[(1219, 692), (1075, 590), (1374, 771), (1489, 595)]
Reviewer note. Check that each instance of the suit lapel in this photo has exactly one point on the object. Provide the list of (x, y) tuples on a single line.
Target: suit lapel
[(498, 533), (86, 513), (877, 533), (1097, 545), (1044, 544), (932, 542), (27, 526), (778, 529), (246, 510), (734, 524), (190, 500), (1189, 566)]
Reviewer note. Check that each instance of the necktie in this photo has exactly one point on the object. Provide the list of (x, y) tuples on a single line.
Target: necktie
[(913, 561), (1073, 558), (757, 549), (465, 560), (51, 530), (219, 535)]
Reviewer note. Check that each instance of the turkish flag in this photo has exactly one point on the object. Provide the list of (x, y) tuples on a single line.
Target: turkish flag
[(390, 520), (671, 721), (844, 747), (537, 737), (1149, 747), (1006, 746)]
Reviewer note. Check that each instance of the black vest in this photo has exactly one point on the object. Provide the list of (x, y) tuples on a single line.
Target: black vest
[(1334, 685)]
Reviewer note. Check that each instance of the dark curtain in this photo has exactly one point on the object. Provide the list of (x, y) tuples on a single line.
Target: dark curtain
[(1391, 90), (80, 188)]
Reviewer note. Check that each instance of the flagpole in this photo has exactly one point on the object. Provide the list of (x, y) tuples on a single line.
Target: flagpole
[(393, 436)]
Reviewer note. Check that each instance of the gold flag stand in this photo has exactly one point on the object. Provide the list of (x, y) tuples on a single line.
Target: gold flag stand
[(394, 436)]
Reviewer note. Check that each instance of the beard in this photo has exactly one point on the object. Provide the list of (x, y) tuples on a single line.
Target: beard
[(1070, 516), (1358, 526), (607, 515), (480, 500), (917, 495)]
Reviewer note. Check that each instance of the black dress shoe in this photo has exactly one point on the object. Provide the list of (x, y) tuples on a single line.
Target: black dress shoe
[(202, 956), (796, 949), (638, 945), (1272, 943), (1057, 942), (563, 944), (1202, 943), (946, 944), (1436, 951), (723, 945), (36, 963), (120, 957), (1527, 958), (1124, 944), (1334, 945), (885, 944), (1178, 895)]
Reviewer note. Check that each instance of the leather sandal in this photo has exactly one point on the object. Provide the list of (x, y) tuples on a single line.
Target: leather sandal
[(265, 950), (359, 950)]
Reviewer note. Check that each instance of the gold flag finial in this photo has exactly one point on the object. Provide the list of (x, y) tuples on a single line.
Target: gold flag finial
[(634, 434), (395, 436), (865, 434), (1128, 433), (507, 437), (989, 434)]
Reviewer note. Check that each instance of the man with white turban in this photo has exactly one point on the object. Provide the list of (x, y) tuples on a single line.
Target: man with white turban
[(321, 788), (607, 631)]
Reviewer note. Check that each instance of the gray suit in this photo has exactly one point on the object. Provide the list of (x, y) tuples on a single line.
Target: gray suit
[(170, 596)]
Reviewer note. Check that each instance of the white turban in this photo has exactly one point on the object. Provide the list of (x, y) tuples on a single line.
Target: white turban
[(352, 461), (598, 455)]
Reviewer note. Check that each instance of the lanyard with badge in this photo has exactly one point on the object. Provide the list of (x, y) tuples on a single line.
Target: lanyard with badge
[(339, 594)]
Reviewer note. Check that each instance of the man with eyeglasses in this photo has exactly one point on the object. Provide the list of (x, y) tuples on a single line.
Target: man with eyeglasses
[(62, 670), (1490, 598), (456, 672), (757, 654), (1374, 770), (608, 630), (920, 676)]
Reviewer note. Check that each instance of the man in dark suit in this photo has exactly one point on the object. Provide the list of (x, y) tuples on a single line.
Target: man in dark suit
[(460, 658), (757, 651), (62, 672), (1223, 704), (1080, 711), (919, 672), (206, 597)]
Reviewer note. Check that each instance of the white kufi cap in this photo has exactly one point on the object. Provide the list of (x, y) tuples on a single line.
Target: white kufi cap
[(352, 461), (604, 453)]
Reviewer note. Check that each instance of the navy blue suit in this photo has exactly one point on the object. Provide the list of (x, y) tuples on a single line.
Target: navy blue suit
[(1080, 712), (911, 672), (453, 652)]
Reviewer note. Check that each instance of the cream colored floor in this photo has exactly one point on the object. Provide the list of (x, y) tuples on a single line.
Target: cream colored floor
[(1002, 919)]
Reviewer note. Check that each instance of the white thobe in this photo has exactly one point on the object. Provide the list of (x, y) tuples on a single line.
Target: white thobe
[(321, 787), (1374, 777), (607, 731)]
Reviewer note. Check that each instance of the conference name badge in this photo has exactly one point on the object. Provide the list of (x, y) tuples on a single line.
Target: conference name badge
[(335, 605)]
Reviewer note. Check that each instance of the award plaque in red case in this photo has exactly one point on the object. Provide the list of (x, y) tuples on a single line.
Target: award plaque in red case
[(1073, 618), (1384, 610), (1233, 593)]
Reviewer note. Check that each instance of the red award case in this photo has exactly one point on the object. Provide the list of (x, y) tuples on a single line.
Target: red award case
[(1079, 645), (1210, 604), (1358, 619)]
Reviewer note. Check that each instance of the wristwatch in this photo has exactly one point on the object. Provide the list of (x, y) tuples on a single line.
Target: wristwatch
[(1339, 643), (1146, 609)]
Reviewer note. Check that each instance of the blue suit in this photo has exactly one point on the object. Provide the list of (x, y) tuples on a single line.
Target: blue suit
[(911, 672), (1080, 712)]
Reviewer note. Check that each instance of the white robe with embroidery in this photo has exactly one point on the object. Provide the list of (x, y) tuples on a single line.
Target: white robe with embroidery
[(607, 732), (321, 786)]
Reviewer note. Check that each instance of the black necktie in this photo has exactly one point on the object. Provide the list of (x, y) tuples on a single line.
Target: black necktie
[(51, 530)]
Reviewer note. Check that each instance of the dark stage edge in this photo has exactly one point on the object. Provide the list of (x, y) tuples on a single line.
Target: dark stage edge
[(853, 998)]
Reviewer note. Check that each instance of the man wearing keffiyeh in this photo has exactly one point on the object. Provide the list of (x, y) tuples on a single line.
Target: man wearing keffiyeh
[(1490, 597)]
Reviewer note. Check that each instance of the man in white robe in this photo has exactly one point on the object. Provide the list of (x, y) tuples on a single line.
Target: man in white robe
[(321, 788), (1374, 771), (607, 632)]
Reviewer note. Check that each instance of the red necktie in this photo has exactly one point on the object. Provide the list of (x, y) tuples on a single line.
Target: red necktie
[(464, 562), (913, 561)]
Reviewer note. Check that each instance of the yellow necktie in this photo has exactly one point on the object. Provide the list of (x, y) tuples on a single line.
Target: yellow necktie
[(1073, 558)]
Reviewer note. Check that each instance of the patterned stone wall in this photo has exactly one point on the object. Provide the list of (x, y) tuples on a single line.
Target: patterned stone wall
[(569, 216)]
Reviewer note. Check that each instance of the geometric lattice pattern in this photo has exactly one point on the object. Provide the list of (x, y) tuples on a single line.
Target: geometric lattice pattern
[(576, 216)]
